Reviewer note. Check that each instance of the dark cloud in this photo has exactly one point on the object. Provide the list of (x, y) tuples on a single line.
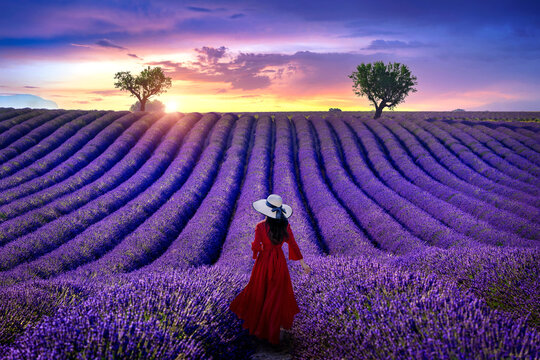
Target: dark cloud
[(242, 72), (251, 71), (394, 44), (237, 16), (198, 9), (31, 87), (210, 54), (134, 56), (109, 44), (359, 17), (407, 12)]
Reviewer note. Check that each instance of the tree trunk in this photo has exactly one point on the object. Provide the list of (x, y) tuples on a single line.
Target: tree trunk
[(143, 104), (378, 112)]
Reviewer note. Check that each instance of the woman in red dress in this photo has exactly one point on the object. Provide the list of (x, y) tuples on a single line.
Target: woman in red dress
[(267, 303)]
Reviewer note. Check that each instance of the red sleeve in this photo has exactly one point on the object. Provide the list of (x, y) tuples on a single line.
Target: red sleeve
[(257, 242), (294, 250)]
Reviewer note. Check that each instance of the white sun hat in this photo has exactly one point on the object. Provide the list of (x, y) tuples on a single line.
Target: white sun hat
[(273, 207)]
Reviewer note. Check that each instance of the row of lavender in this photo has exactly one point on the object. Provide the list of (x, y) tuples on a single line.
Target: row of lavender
[(320, 195), (381, 230), (103, 222), (351, 307), (14, 208), (22, 249)]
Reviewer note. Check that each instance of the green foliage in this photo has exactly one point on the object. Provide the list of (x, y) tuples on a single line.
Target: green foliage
[(151, 81), (383, 85)]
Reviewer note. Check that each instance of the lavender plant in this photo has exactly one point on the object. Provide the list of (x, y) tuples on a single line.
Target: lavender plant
[(127, 236), (57, 156)]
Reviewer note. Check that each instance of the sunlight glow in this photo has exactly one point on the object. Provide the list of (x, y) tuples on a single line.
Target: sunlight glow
[(171, 106)]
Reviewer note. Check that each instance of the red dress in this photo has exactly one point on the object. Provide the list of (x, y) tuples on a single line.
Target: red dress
[(267, 302)]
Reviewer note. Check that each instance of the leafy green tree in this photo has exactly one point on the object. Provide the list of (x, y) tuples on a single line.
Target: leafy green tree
[(384, 85), (151, 81)]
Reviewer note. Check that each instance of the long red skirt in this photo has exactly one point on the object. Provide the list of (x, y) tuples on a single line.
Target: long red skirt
[(267, 303)]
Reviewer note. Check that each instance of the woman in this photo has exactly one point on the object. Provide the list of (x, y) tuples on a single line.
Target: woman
[(267, 303)]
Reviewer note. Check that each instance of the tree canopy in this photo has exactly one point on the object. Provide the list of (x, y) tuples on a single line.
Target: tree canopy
[(383, 85), (150, 82)]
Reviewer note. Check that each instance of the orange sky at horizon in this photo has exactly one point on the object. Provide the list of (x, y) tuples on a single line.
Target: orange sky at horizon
[(89, 84)]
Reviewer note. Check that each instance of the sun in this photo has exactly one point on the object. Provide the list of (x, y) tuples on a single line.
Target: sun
[(171, 106)]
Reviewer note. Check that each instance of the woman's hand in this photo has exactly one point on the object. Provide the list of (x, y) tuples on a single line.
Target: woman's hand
[(307, 269)]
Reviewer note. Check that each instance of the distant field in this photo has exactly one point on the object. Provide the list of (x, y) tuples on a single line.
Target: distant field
[(507, 116), (129, 233)]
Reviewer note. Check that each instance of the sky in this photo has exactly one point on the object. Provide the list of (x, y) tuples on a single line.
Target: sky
[(281, 55)]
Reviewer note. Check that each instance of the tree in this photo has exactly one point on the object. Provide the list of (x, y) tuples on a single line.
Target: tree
[(148, 83), (151, 105), (384, 85)]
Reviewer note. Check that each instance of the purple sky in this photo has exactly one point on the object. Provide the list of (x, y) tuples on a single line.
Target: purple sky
[(278, 55)]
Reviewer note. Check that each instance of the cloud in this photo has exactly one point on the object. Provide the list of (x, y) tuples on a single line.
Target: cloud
[(237, 16), (210, 54), (109, 44), (414, 12), (31, 87), (243, 71), (106, 92), (361, 29), (104, 43), (81, 45), (26, 100), (394, 44), (215, 24), (252, 71), (198, 9)]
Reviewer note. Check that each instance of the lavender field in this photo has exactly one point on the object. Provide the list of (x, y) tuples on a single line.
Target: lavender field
[(119, 240)]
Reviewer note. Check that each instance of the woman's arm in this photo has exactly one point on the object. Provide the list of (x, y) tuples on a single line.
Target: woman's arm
[(294, 250), (256, 245)]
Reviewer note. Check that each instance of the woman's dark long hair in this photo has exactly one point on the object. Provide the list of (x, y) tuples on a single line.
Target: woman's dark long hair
[(277, 229)]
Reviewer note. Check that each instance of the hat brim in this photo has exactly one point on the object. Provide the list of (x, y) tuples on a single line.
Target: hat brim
[(260, 206)]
